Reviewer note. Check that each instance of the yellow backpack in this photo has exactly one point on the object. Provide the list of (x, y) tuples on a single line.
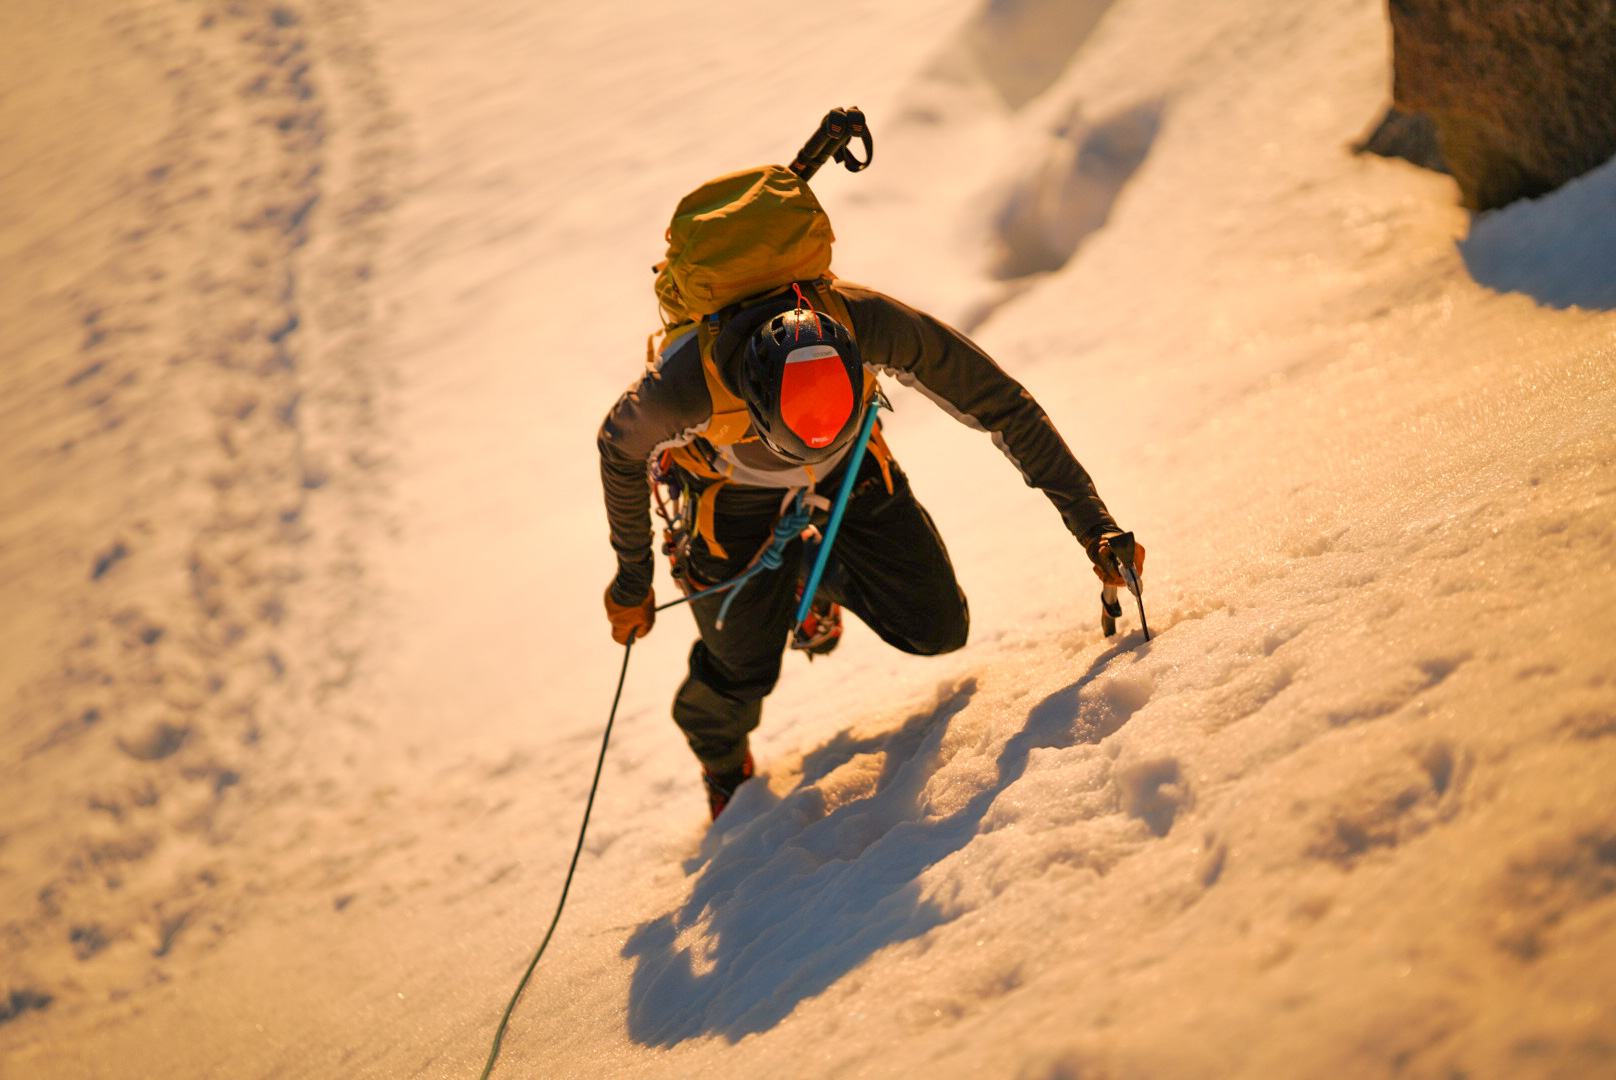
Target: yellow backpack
[(742, 237), (739, 236)]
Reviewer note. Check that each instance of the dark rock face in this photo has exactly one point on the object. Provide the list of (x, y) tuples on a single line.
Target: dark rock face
[(1522, 92), (1410, 136)]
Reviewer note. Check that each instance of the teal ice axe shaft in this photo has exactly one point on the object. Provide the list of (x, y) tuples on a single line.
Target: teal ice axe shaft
[(854, 460)]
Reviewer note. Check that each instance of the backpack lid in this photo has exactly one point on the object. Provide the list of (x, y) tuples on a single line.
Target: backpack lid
[(740, 235)]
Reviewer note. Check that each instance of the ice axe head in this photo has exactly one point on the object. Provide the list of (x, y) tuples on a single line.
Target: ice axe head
[(831, 142), (1123, 556)]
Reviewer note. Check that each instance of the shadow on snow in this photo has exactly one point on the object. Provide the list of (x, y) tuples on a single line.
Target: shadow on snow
[(790, 897)]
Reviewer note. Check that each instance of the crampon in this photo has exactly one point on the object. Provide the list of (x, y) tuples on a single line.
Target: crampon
[(821, 631), (721, 786)]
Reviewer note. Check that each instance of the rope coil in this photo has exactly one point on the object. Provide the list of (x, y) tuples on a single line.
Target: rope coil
[(790, 525)]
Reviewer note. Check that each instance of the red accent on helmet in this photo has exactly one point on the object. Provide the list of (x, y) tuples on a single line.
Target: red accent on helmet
[(816, 397)]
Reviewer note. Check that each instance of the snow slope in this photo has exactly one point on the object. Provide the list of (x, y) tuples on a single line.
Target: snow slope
[(1350, 814)]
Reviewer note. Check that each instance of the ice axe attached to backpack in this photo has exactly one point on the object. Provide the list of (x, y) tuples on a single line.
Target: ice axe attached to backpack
[(839, 128), (1121, 547)]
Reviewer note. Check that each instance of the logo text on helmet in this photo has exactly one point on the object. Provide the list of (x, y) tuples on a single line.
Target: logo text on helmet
[(811, 352)]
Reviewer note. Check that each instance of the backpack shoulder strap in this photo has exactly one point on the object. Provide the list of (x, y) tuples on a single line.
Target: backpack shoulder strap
[(831, 302), (731, 422)]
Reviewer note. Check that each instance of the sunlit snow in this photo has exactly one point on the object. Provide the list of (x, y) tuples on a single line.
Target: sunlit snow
[(1351, 813)]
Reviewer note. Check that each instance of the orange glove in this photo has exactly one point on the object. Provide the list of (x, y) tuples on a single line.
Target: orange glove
[(635, 619), (1106, 571)]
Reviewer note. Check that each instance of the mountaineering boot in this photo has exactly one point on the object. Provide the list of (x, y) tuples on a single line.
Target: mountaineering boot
[(821, 631), (721, 785)]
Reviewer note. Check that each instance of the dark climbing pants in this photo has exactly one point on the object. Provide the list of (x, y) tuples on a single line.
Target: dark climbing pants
[(888, 566)]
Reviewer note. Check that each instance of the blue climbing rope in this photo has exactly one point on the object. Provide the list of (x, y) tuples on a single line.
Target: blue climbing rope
[(835, 523)]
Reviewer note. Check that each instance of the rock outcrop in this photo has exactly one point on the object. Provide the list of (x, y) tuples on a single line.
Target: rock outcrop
[(1522, 92), (1410, 136)]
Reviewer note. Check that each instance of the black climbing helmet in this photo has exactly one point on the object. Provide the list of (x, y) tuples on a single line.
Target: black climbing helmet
[(802, 380)]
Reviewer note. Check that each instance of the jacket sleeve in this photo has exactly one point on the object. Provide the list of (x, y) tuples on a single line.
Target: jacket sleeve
[(668, 406), (940, 362)]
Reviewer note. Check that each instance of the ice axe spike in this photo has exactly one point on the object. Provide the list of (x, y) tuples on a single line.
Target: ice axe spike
[(1121, 547), (1110, 609)]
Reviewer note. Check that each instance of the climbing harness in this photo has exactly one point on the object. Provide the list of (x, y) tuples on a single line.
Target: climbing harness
[(794, 521)]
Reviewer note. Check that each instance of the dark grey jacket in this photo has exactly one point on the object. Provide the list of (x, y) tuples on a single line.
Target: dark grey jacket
[(670, 406)]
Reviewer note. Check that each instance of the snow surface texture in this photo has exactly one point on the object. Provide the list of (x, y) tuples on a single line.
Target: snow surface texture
[(311, 312)]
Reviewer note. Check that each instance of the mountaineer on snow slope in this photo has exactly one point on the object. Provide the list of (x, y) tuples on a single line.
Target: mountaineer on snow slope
[(756, 393)]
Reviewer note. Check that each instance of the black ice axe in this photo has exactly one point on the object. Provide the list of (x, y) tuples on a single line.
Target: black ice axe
[(1122, 558), (830, 143)]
